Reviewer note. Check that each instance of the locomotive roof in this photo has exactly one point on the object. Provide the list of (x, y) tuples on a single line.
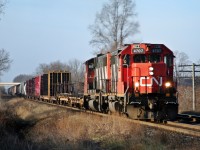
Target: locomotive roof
[(118, 51), (150, 45)]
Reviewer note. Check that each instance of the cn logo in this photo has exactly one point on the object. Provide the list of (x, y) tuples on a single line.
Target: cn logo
[(150, 81)]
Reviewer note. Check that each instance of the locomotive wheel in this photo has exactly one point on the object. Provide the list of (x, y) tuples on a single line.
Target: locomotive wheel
[(135, 112), (160, 116)]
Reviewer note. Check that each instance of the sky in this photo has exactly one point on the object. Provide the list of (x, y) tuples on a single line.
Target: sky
[(44, 31)]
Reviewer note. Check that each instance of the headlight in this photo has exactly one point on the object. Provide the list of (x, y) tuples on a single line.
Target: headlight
[(167, 84), (151, 68), (151, 73), (137, 84)]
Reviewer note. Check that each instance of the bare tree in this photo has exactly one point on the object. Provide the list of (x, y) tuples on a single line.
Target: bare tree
[(4, 56), (76, 67), (22, 78), (4, 61), (53, 66), (181, 59), (113, 25), (2, 5)]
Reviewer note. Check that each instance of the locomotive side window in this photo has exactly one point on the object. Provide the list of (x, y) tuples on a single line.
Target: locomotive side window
[(112, 61), (126, 60), (91, 66), (141, 58), (105, 61), (168, 60), (154, 58)]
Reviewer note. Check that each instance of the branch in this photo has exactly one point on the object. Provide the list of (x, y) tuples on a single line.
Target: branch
[(4, 61)]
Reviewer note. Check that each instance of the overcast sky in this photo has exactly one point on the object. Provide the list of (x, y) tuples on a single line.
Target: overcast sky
[(43, 31)]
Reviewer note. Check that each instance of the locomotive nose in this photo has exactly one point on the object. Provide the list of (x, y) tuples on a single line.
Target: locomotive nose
[(157, 70), (150, 77)]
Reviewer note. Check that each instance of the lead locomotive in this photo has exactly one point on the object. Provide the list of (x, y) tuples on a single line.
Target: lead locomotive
[(136, 80)]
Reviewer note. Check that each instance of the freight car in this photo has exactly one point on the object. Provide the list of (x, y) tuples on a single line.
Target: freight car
[(47, 86), (136, 80), (53, 84), (53, 87)]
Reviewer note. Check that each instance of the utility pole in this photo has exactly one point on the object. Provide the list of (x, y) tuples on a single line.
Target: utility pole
[(193, 82), (193, 87)]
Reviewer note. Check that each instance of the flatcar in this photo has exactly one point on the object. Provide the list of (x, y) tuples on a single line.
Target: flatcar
[(54, 87), (52, 84), (136, 80)]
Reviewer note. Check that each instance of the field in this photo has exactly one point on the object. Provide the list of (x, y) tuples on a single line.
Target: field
[(30, 125), (186, 99)]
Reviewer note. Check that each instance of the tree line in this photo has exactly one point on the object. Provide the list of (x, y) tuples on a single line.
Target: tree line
[(75, 66)]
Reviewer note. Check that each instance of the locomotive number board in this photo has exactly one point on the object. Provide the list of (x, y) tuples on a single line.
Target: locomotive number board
[(156, 50), (138, 51)]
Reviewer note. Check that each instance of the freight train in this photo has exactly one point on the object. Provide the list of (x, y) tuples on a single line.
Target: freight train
[(137, 80)]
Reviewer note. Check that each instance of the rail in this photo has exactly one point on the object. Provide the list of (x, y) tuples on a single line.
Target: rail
[(188, 117)]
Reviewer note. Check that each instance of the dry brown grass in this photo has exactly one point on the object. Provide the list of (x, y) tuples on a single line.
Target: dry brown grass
[(186, 98), (73, 129), (39, 126)]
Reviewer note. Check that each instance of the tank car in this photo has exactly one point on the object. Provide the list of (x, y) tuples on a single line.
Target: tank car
[(136, 80)]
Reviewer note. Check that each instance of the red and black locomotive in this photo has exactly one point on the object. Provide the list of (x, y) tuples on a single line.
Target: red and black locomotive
[(136, 80)]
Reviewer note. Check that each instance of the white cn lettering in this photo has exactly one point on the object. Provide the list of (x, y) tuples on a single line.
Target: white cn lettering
[(143, 81)]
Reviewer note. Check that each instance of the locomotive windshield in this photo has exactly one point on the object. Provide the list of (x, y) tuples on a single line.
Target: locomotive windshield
[(140, 58), (168, 60), (126, 60), (154, 58)]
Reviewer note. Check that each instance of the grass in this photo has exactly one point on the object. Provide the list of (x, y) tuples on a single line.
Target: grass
[(29, 125), (186, 98)]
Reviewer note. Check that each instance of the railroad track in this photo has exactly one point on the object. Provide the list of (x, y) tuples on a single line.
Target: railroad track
[(189, 118), (187, 129)]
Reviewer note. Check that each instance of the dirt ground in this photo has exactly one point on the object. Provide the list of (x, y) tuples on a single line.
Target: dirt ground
[(30, 125)]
